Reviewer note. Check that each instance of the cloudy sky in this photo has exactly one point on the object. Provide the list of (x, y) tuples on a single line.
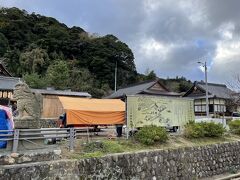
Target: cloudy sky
[(167, 36)]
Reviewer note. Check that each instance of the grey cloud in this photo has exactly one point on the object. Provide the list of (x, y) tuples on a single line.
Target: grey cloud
[(220, 11)]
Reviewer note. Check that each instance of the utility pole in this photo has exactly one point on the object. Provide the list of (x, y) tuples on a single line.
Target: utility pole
[(115, 86), (206, 83), (207, 104)]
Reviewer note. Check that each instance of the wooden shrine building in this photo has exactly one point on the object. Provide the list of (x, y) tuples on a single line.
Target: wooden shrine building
[(218, 95)]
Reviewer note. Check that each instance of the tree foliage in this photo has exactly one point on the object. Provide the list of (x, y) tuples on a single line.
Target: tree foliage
[(58, 74), (31, 45), (35, 81), (34, 61)]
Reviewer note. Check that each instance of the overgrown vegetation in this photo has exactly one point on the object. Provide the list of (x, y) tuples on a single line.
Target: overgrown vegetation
[(99, 148), (103, 146), (235, 126), (212, 129), (203, 129), (193, 130), (46, 53), (150, 135), (131, 145)]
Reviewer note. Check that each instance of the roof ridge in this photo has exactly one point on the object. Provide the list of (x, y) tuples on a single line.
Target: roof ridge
[(34, 89), (11, 78), (214, 84), (136, 84)]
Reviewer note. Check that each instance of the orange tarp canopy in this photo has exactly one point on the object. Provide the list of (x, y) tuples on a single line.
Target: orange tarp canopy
[(84, 111)]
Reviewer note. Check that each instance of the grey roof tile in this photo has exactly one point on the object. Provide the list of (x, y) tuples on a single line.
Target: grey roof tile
[(131, 90), (8, 83), (140, 88), (218, 90), (61, 93)]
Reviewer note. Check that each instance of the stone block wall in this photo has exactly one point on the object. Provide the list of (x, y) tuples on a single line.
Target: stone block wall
[(183, 163), (49, 123), (30, 156)]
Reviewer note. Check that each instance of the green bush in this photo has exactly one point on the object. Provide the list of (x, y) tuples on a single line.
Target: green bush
[(150, 135), (194, 130), (235, 126), (213, 129), (203, 129)]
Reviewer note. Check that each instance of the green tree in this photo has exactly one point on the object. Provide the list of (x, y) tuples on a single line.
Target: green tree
[(81, 80), (3, 44), (35, 81), (34, 42), (151, 76), (58, 74), (11, 58), (34, 61)]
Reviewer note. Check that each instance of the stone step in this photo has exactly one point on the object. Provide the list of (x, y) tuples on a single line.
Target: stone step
[(53, 153)]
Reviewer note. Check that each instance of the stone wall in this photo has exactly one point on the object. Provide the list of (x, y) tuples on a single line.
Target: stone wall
[(30, 156), (182, 163), (44, 123), (49, 123)]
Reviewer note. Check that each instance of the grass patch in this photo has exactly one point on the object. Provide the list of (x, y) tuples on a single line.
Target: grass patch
[(104, 147)]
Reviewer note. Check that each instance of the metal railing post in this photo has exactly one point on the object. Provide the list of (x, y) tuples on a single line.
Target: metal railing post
[(15, 140), (71, 139), (87, 135)]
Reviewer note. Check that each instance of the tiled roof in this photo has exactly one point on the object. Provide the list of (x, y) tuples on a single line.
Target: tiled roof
[(61, 93), (8, 83), (141, 88), (214, 90), (218, 90), (3, 71), (163, 93)]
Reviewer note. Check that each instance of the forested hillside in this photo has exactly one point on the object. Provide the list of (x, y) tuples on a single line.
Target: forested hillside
[(46, 52)]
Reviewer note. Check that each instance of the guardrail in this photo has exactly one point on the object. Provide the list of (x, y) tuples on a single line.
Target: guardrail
[(31, 135)]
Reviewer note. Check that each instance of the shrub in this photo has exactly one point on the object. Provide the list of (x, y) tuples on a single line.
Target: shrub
[(203, 129), (150, 135), (212, 129), (235, 126), (193, 130)]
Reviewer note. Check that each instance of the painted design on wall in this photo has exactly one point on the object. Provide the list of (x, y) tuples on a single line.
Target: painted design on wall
[(161, 111)]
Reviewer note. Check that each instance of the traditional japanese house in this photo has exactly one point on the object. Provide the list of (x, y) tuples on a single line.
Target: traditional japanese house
[(154, 87), (218, 95)]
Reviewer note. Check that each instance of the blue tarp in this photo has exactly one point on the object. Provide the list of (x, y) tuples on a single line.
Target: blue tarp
[(4, 125)]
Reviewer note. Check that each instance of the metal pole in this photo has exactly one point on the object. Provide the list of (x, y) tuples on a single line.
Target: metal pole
[(115, 87), (207, 107), (71, 139), (15, 140), (87, 135)]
